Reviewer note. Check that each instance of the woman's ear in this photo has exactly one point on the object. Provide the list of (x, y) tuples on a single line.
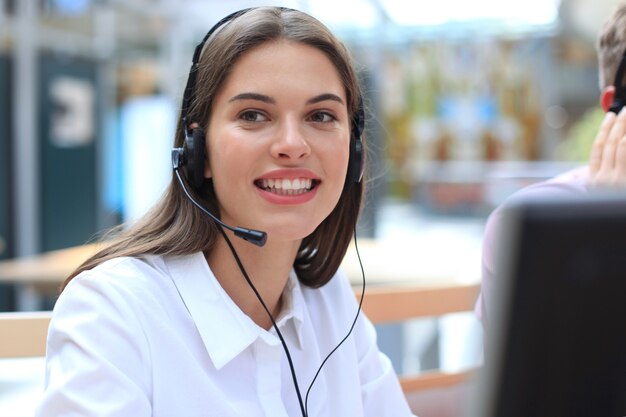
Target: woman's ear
[(606, 97)]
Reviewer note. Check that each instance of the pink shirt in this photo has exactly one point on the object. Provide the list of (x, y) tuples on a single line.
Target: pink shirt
[(570, 183)]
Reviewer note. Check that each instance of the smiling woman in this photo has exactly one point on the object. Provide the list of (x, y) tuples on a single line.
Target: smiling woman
[(176, 315)]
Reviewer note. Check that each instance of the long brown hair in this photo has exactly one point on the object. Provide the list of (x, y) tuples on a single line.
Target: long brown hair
[(175, 226)]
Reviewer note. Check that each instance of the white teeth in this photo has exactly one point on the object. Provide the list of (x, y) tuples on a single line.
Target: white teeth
[(287, 186)]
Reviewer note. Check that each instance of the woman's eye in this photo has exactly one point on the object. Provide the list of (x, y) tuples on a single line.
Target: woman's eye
[(323, 117), (252, 116)]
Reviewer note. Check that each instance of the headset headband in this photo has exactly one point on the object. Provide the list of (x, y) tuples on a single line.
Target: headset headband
[(191, 80), (357, 165)]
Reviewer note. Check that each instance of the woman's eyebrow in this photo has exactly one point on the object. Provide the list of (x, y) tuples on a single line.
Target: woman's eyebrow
[(253, 96), (324, 97), (267, 99)]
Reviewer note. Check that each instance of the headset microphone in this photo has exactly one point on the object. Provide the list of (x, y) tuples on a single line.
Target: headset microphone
[(253, 236)]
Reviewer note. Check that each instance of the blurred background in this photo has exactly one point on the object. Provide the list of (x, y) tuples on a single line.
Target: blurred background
[(467, 102)]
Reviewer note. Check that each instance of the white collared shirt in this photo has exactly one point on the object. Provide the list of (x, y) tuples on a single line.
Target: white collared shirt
[(160, 337)]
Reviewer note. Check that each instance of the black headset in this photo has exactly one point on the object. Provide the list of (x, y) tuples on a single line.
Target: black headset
[(619, 99), (192, 156)]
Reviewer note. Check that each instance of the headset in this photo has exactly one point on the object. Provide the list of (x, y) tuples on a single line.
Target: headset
[(619, 99), (192, 156)]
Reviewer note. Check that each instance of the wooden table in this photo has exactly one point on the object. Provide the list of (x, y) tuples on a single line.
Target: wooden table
[(388, 263), (383, 263), (50, 268)]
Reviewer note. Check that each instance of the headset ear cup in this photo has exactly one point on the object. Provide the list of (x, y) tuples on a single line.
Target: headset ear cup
[(356, 162), (195, 156)]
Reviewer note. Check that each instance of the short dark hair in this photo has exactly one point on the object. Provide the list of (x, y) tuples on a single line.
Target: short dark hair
[(611, 45)]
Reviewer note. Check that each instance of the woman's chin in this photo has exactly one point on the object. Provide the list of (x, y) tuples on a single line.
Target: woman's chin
[(288, 234)]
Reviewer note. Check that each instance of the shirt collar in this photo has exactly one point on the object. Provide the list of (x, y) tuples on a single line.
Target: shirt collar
[(225, 330), (292, 313)]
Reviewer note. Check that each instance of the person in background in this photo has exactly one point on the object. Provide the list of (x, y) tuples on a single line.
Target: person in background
[(178, 316), (607, 160)]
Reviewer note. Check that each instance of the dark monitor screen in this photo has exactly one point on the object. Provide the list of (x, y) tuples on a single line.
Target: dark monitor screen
[(557, 345)]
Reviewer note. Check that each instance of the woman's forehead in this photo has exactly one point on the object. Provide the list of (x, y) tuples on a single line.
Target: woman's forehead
[(284, 65)]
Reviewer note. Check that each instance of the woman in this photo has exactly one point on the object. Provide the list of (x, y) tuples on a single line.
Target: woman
[(180, 317)]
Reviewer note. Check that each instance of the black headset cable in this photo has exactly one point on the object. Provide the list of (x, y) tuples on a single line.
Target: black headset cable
[(303, 405)]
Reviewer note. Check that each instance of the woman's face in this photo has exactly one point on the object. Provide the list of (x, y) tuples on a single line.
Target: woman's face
[(278, 140)]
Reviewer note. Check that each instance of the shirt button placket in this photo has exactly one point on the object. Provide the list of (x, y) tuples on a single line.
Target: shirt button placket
[(268, 381)]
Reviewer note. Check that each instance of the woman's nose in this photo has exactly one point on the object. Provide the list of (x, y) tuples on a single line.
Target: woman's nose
[(290, 142)]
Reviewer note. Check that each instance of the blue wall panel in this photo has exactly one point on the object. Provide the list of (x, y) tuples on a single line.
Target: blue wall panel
[(69, 131)]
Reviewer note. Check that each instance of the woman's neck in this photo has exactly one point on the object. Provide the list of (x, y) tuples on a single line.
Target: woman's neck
[(268, 268)]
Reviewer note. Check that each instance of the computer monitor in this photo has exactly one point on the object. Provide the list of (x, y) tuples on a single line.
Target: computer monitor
[(556, 345)]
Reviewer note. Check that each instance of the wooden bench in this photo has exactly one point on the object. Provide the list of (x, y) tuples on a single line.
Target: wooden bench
[(435, 393), (23, 334)]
